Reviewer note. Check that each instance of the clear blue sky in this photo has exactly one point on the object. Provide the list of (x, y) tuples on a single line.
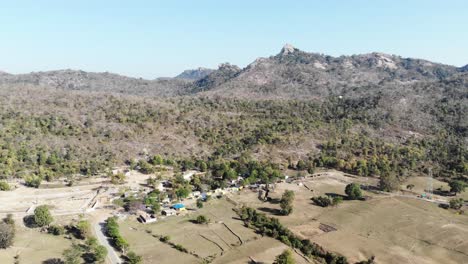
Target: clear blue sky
[(162, 38)]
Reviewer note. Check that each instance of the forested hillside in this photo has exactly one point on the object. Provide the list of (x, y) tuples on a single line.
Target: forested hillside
[(372, 114)]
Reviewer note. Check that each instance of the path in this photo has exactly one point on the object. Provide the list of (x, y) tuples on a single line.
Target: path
[(112, 256)]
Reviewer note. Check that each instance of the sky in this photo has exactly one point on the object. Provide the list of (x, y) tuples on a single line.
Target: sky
[(152, 39)]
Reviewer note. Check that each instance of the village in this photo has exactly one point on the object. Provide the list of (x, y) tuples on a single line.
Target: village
[(148, 204)]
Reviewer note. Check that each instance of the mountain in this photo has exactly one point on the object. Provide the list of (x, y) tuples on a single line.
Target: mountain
[(224, 73), (98, 82), (194, 74), (290, 74), (297, 74)]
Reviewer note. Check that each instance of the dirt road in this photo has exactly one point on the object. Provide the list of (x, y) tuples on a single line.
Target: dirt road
[(112, 256)]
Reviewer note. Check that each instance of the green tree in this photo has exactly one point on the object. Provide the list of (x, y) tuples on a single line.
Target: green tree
[(133, 258), (389, 183), (42, 216), (84, 229), (199, 203), (4, 186), (286, 202), (285, 258), (56, 230), (72, 255), (201, 219), (353, 190), (183, 192), (457, 186), (456, 203)]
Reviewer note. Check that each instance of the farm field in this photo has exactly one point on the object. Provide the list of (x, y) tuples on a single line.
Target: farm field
[(394, 229), (224, 240)]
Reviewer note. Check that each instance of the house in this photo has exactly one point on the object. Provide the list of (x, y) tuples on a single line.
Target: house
[(169, 212), (179, 207), (147, 218)]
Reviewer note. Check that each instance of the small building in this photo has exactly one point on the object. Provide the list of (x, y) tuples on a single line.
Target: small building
[(147, 218), (169, 212), (196, 194), (179, 207)]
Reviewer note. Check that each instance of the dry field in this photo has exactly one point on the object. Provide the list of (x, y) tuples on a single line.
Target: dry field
[(34, 247), (394, 229), (224, 240)]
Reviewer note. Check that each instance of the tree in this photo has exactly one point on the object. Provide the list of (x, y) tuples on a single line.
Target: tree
[(457, 186), (285, 258), (42, 216), (72, 255), (133, 258), (56, 230), (456, 203), (286, 202), (182, 192), (32, 181), (84, 229), (4, 186), (301, 165), (201, 219), (199, 203), (99, 254), (353, 190), (337, 200), (388, 183), (410, 187), (7, 235)]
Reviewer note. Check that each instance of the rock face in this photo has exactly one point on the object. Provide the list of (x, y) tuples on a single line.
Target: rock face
[(194, 74)]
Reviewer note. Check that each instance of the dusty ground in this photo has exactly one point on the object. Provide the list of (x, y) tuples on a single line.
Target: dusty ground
[(395, 229)]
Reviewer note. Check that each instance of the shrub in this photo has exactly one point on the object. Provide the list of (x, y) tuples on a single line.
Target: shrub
[(201, 219), (56, 230), (286, 202), (353, 190), (285, 258), (4, 186), (32, 181), (164, 239), (456, 203), (42, 216), (457, 186), (133, 258)]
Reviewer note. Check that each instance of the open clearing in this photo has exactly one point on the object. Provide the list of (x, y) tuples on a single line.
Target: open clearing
[(34, 247), (225, 239), (394, 229)]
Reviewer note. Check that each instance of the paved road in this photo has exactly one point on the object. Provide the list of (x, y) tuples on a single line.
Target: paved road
[(112, 256)]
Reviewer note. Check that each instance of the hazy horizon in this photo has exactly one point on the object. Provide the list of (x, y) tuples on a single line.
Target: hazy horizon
[(153, 39)]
